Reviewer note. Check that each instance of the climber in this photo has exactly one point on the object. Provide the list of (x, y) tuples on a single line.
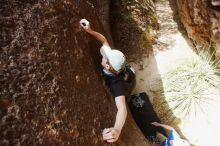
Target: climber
[(117, 75), (173, 137)]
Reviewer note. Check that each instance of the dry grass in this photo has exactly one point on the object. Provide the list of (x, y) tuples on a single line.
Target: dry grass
[(188, 88)]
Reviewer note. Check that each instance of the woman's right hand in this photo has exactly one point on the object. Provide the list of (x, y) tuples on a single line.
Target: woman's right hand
[(85, 25)]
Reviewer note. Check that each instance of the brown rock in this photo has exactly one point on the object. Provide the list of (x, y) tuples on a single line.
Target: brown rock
[(51, 67), (201, 20)]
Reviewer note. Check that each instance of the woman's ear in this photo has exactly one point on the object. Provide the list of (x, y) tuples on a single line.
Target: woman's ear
[(107, 66)]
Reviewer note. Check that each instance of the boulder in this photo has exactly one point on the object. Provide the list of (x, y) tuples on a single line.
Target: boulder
[(51, 92), (201, 20)]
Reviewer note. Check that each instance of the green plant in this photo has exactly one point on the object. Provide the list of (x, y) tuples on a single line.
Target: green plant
[(189, 87)]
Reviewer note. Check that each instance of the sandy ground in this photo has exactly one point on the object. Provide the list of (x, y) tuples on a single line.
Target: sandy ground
[(171, 49)]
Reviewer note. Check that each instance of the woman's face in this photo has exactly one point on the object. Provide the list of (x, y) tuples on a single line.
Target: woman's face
[(105, 64)]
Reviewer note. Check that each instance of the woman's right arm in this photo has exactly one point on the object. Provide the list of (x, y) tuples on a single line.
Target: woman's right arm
[(86, 26)]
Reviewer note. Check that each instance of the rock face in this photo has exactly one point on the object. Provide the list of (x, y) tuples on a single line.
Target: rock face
[(102, 7), (201, 20), (132, 24), (50, 90)]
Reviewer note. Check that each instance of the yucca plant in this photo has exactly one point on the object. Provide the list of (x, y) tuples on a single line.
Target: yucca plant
[(192, 86)]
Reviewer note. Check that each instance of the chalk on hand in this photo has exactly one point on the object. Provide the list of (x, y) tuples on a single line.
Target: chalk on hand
[(84, 23)]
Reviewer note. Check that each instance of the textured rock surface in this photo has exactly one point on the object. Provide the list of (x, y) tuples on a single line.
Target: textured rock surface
[(50, 89), (133, 23), (201, 20), (102, 7)]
